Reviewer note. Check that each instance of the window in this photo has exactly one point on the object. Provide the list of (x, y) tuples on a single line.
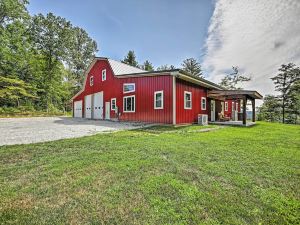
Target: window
[(187, 100), (226, 106), (237, 106), (127, 88), (158, 100), (232, 105), (113, 103), (91, 80), (129, 104), (103, 75), (203, 103)]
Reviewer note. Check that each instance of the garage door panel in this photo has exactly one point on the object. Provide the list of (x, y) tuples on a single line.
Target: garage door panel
[(88, 106), (78, 109), (98, 105)]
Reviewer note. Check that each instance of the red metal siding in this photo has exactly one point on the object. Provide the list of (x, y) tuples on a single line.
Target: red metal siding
[(189, 115), (144, 94)]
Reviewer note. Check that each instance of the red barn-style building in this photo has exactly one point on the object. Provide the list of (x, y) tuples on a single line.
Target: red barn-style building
[(116, 91)]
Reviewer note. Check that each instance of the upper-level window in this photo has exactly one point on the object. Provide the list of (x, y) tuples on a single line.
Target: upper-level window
[(158, 100), (187, 100), (203, 103), (113, 103), (91, 80), (226, 106), (103, 75), (129, 104), (129, 87)]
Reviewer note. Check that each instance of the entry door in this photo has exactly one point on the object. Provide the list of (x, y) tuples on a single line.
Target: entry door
[(88, 106), (107, 110), (98, 106), (222, 104), (78, 109), (212, 110)]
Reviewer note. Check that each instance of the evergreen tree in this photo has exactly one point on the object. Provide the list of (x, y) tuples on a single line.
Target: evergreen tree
[(192, 67), (287, 76), (147, 66), (130, 59), (270, 109), (165, 67), (233, 80), (293, 104)]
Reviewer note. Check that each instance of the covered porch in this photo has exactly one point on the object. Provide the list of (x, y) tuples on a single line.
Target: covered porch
[(239, 100)]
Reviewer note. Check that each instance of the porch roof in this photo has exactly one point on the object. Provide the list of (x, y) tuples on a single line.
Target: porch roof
[(233, 94)]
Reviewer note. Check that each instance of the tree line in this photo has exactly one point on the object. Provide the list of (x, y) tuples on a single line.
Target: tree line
[(284, 107), (190, 65), (42, 58)]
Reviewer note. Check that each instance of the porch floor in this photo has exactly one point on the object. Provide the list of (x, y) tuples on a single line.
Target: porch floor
[(232, 123)]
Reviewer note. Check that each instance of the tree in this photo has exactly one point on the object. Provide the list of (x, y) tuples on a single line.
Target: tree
[(287, 76), (270, 109), (192, 67), (233, 80), (293, 102), (51, 38), (42, 56), (147, 66), (13, 90), (130, 59), (165, 67), (81, 51), (12, 10)]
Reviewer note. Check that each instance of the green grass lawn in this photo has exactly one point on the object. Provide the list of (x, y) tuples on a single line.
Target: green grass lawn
[(157, 175)]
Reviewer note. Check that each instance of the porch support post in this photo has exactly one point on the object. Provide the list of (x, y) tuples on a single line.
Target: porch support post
[(253, 110), (244, 110)]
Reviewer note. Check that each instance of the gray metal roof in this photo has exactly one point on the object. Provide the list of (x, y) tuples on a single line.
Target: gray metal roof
[(120, 68)]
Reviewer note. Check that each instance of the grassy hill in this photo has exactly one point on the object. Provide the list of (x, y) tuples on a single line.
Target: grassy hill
[(159, 175)]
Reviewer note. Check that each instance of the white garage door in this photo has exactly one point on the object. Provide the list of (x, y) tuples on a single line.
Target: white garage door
[(98, 105), (78, 109), (88, 106)]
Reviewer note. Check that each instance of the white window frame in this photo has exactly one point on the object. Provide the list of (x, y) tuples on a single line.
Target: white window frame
[(111, 104), (103, 75), (124, 101), (162, 99), (185, 93), (226, 106), (91, 80), (129, 84), (203, 108)]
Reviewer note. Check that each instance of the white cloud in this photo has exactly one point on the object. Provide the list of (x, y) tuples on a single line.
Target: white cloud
[(255, 35)]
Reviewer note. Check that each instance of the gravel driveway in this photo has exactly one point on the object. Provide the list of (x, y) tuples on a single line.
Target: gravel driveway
[(40, 129)]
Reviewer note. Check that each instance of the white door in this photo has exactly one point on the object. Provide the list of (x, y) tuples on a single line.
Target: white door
[(88, 106), (107, 110), (78, 109), (98, 105), (212, 110)]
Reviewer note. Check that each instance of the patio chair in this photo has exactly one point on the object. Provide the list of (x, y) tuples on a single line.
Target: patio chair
[(223, 118)]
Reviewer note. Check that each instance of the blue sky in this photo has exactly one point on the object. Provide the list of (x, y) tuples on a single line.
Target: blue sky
[(255, 35), (162, 31)]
